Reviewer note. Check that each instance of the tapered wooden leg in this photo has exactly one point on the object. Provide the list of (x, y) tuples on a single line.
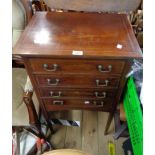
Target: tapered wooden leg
[(33, 117), (110, 117), (27, 98)]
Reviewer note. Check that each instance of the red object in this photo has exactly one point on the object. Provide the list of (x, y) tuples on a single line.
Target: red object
[(12, 148), (42, 141), (38, 143)]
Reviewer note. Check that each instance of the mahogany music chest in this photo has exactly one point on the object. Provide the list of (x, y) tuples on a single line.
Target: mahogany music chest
[(78, 60)]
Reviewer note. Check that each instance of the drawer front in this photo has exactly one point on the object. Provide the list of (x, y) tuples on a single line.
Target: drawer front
[(76, 103), (77, 93), (68, 81), (50, 66)]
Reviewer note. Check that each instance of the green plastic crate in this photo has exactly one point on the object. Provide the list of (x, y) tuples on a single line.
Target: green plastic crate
[(134, 117)]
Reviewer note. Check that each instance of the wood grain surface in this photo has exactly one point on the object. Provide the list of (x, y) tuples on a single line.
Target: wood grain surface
[(58, 34)]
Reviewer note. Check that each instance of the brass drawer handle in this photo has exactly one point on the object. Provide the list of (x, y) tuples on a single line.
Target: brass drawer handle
[(103, 70), (101, 103), (58, 102), (96, 103), (52, 94), (50, 82), (106, 82), (53, 68), (100, 96)]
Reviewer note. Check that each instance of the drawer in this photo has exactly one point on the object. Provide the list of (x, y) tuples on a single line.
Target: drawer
[(71, 81), (50, 66), (76, 104), (77, 93)]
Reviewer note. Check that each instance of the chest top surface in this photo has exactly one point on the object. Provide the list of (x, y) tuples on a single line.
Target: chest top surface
[(97, 35)]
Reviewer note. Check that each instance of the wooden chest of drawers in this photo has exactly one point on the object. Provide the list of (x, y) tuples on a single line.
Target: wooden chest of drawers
[(78, 60), (86, 84)]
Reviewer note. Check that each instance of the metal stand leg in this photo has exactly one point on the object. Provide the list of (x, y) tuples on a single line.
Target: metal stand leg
[(120, 130)]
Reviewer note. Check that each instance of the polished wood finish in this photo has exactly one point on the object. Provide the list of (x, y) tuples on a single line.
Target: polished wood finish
[(108, 45), (97, 35), (76, 93), (106, 108), (70, 66), (80, 102), (78, 81)]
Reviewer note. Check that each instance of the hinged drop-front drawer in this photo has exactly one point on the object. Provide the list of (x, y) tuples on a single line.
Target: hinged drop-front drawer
[(68, 81), (50, 66), (77, 93), (51, 104)]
